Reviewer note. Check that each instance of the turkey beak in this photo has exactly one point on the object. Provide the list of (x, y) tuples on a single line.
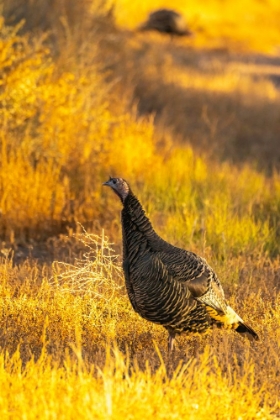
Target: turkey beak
[(107, 183)]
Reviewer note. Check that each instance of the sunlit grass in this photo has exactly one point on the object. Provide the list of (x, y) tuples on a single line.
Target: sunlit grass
[(222, 24), (65, 147), (72, 345), (119, 391)]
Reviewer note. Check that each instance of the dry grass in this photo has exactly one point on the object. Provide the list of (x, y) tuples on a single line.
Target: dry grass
[(248, 25), (196, 133), (77, 337)]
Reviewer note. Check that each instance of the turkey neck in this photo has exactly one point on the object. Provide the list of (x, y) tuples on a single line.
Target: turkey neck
[(137, 228)]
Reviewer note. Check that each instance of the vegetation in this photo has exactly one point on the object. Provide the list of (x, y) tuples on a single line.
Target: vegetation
[(239, 25), (195, 131)]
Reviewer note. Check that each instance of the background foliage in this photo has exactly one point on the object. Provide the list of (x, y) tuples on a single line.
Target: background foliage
[(193, 125)]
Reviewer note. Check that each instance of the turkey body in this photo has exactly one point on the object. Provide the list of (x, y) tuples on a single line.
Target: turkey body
[(152, 275), (168, 285), (166, 21)]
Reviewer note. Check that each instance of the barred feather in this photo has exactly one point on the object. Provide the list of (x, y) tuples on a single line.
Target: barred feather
[(168, 285)]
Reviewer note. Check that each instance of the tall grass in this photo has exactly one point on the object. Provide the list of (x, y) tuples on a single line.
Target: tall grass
[(72, 345), (118, 391), (60, 144), (218, 24)]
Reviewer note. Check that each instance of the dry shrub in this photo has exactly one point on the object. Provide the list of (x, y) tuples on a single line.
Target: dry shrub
[(65, 129), (59, 16), (58, 129)]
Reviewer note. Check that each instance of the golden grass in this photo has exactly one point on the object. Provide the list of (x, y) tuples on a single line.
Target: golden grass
[(118, 391), (52, 141), (61, 343), (248, 25), (190, 132)]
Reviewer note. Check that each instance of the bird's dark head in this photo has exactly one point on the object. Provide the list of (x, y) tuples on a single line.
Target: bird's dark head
[(119, 186)]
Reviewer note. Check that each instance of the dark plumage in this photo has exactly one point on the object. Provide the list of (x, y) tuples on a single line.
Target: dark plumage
[(168, 285), (168, 21)]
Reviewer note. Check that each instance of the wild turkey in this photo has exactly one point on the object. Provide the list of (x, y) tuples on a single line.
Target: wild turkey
[(168, 285), (168, 21)]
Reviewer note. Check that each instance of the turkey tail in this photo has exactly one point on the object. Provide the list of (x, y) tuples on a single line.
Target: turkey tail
[(246, 330), (231, 320), (242, 328)]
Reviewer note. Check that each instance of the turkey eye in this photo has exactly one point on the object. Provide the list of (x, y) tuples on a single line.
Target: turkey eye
[(114, 182)]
